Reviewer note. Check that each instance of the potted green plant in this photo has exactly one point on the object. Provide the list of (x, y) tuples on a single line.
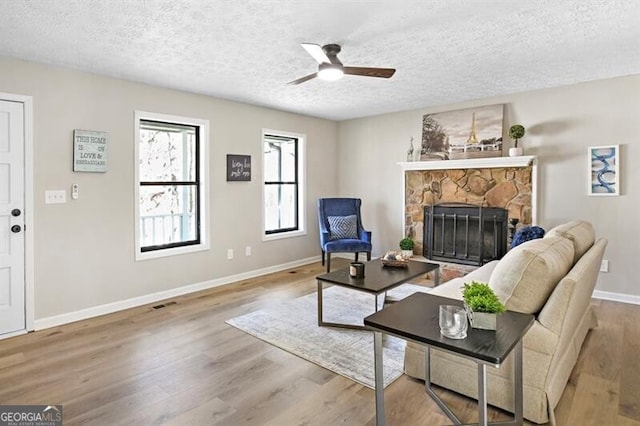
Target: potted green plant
[(482, 305), (516, 132), (406, 245)]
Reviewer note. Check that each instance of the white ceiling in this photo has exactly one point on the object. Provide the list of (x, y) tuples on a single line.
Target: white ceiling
[(444, 51)]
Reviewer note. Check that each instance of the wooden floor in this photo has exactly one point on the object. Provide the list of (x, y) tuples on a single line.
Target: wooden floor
[(183, 365)]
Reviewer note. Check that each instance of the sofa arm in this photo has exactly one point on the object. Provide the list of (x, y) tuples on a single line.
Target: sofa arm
[(481, 274), (572, 296), (540, 339), (453, 287)]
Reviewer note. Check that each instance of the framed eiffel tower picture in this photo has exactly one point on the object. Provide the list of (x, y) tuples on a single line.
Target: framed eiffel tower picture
[(464, 133)]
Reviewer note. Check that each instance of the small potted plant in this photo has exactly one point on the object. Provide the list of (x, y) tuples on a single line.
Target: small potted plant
[(406, 245), (482, 305), (516, 132)]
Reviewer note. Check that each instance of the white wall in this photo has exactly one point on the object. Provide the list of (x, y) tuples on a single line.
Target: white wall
[(84, 249), (561, 123)]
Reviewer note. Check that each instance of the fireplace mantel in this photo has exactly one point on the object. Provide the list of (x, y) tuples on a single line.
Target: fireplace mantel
[(471, 163)]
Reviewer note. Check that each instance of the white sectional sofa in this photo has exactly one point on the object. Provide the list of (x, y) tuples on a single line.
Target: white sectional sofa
[(553, 278)]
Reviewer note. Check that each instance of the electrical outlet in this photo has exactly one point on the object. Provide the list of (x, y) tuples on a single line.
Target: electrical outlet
[(247, 251), (229, 254), (55, 197), (604, 266)]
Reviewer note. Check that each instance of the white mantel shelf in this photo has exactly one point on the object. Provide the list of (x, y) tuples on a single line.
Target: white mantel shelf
[(471, 163)]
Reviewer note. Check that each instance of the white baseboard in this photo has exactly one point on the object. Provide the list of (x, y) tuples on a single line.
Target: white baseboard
[(12, 334), (617, 297), (109, 308)]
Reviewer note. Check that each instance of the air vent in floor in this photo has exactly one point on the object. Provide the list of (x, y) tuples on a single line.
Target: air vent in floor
[(164, 305)]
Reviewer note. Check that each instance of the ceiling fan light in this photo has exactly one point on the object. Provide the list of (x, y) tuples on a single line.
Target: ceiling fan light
[(330, 72)]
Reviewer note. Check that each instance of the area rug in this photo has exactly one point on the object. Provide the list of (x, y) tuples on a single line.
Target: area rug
[(293, 326)]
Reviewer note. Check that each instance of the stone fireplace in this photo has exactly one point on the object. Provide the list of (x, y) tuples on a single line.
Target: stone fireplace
[(507, 183)]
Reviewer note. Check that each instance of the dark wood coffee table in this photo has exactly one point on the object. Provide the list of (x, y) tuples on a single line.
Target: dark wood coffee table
[(416, 318), (377, 279)]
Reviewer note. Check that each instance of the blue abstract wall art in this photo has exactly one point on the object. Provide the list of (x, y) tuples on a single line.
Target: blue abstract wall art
[(603, 167)]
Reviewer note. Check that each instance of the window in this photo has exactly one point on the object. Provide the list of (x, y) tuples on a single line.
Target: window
[(171, 175), (283, 192)]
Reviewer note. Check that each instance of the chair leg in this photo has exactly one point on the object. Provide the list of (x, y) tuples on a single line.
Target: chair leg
[(368, 255), (356, 256), (328, 262), (322, 257)]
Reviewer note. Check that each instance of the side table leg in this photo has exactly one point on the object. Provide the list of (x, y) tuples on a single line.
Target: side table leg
[(377, 358), (482, 394), (518, 385), (320, 286), (436, 277), (427, 368), (427, 387)]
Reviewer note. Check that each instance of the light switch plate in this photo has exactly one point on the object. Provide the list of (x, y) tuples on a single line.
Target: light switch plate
[(55, 196)]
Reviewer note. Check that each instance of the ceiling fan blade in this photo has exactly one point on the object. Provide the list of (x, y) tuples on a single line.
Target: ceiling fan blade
[(316, 51), (370, 72), (303, 79)]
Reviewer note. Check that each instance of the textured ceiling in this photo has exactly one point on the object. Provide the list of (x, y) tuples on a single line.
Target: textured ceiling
[(444, 50)]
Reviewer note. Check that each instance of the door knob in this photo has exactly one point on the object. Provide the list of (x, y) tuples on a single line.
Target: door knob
[(15, 212), (16, 228)]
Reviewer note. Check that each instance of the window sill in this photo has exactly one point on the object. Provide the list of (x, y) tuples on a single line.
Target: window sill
[(176, 251), (280, 236)]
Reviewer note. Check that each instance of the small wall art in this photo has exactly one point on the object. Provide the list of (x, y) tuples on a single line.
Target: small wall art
[(604, 178), (238, 168), (89, 151)]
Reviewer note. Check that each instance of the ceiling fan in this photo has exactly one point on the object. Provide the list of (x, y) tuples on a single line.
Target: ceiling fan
[(330, 68)]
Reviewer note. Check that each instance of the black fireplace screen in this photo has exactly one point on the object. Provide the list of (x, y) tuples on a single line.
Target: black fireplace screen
[(464, 233)]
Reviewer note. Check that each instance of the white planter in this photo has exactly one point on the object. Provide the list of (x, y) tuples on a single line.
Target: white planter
[(515, 152), (407, 253)]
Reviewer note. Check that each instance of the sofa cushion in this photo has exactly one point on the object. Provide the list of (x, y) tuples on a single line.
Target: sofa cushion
[(579, 232), (525, 277)]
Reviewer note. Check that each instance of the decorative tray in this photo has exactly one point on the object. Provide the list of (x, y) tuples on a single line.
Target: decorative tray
[(395, 260)]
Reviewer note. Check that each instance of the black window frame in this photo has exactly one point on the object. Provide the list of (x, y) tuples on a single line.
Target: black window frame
[(196, 184), (295, 182)]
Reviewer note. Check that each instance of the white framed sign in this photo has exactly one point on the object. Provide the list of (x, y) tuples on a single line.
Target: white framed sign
[(89, 151)]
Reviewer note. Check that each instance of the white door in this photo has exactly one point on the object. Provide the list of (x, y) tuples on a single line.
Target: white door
[(12, 241)]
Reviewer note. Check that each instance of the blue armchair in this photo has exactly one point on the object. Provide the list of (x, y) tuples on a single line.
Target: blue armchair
[(341, 228)]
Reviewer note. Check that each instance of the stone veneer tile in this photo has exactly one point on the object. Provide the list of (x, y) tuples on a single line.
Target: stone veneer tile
[(506, 187)]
